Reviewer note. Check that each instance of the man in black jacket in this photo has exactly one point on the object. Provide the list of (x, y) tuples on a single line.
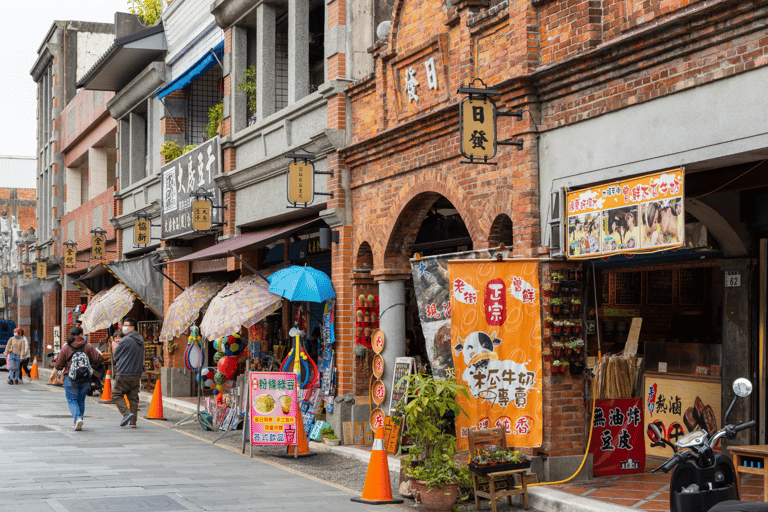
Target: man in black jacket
[(128, 359)]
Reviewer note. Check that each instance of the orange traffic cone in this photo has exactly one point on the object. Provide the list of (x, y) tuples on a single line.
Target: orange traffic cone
[(33, 371), (106, 394), (302, 445), (377, 489), (156, 405), (23, 372)]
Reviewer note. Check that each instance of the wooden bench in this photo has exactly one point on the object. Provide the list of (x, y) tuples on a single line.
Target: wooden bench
[(497, 437), (759, 452)]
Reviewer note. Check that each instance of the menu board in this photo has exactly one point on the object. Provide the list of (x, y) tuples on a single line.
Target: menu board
[(403, 366), (628, 288), (692, 286), (617, 445), (273, 408), (660, 287), (641, 214)]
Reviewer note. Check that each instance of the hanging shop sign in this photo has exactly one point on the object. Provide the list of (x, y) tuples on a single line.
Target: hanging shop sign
[(192, 172), (273, 408), (70, 255), (201, 215), (496, 338), (679, 405), (29, 271), (301, 182), (377, 341), (378, 392), (377, 419), (42, 269), (141, 234), (631, 216), (6, 281), (98, 246), (378, 366), (617, 445)]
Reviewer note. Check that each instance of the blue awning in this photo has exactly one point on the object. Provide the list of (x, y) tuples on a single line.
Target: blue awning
[(195, 71)]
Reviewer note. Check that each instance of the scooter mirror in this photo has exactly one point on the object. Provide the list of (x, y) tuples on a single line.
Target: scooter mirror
[(656, 431), (742, 387)]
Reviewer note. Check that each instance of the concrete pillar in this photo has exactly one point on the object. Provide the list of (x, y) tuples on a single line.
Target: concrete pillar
[(392, 322), (137, 147), (73, 188), (123, 148), (239, 59), (265, 60), (298, 50), (97, 171)]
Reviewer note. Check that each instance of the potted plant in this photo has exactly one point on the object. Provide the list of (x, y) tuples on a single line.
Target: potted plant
[(567, 325), (555, 281), (215, 115), (546, 354), (556, 366), (546, 290), (577, 344), (564, 366), (430, 460), (548, 322), (248, 86), (575, 305), (557, 304), (361, 350), (557, 349), (576, 329)]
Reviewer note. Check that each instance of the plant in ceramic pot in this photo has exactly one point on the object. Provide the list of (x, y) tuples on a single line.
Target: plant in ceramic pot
[(548, 322), (546, 354), (575, 305), (577, 344), (556, 304), (564, 366), (557, 349), (556, 365), (567, 325), (546, 290), (431, 458)]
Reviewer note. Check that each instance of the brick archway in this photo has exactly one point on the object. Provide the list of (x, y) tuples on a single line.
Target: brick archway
[(416, 197)]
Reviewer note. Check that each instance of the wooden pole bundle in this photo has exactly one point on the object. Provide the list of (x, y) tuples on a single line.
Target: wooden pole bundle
[(616, 376)]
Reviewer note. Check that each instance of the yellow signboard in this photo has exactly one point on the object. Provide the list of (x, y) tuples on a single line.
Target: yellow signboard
[(636, 215), (301, 182), (70, 256), (98, 246), (141, 232), (6, 281), (201, 215), (42, 270), (477, 118), (29, 272)]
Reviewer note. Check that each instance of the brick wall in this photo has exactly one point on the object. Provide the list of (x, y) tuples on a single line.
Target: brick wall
[(22, 204), (84, 223)]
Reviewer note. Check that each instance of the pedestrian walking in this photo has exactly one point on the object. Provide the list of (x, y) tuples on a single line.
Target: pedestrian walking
[(24, 365), (14, 351), (76, 361), (128, 361)]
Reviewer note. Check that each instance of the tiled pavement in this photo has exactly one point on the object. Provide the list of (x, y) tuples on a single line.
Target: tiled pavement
[(646, 491)]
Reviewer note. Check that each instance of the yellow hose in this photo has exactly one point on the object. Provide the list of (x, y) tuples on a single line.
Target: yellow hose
[(589, 442)]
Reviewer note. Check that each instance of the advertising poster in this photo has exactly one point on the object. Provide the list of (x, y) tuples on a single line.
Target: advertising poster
[(496, 342), (678, 405), (273, 408), (617, 445), (636, 215)]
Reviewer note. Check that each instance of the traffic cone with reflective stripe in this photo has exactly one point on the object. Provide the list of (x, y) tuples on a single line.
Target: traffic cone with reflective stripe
[(106, 393), (156, 405), (33, 372), (377, 489)]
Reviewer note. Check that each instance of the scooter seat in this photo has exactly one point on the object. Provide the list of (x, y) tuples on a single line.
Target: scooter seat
[(740, 506)]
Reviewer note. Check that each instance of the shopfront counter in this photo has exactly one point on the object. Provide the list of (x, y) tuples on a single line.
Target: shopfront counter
[(679, 403)]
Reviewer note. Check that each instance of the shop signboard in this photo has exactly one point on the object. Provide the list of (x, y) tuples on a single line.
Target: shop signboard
[(29, 271), (42, 269), (678, 405), (273, 408), (201, 215), (141, 234), (6, 281), (301, 182), (403, 366), (477, 121), (631, 216), (496, 338), (70, 255), (193, 172), (98, 247), (617, 445)]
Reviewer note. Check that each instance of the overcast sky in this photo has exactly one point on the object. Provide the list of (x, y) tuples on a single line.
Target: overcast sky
[(23, 26)]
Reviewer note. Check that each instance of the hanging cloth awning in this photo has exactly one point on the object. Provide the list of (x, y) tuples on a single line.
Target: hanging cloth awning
[(239, 304), (186, 307), (108, 308), (211, 58), (144, 281)]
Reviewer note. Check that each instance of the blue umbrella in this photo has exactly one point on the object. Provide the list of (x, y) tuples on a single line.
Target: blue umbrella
[(301, 284)]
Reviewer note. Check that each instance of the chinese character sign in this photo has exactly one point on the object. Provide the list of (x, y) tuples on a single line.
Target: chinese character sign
[(98, 247), (678, 406), (273, 408), (617, 445), (301, 182), (29, 272), (6, 281), (477, 120), (70, 256), (496, 342), (201, 215), (636, 215), (141, 234), (42, 270)]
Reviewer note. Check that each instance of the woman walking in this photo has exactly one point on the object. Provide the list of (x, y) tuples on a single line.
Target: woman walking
[(24, 364), (76, 389), (14, 351)]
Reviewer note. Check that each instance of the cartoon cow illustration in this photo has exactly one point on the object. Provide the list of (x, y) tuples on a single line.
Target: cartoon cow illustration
[(478, 349)]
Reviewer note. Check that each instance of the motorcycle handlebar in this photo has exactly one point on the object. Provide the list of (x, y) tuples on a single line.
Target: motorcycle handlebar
[(744, 426), (672, 462)]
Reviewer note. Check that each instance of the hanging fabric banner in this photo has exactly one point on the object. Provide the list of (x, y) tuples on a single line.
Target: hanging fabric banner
[(496, 339)]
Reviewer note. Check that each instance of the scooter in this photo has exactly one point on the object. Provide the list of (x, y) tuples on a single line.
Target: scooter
[(705, 480)]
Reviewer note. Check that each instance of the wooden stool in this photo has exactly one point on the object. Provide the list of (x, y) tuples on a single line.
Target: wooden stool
[(496, 436)]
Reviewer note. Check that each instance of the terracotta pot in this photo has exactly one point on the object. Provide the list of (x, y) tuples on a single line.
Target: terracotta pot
[(546, 293), (556, 308), (547, 357), (555, 286), (440, 499), (547, 324), (575, 308)]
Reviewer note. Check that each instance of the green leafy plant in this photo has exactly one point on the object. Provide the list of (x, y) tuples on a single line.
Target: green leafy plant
[(575, 301), (215, 114), (326, 431), (331, 436), (557, 302), (556, 276), (248, 86), (431, 458), (148, 11), (171, 150)]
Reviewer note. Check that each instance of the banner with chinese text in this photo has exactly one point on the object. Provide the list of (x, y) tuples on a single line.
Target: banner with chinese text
[(273, 408), (496, 341), (678, 405), (617, 445), (635, 215)]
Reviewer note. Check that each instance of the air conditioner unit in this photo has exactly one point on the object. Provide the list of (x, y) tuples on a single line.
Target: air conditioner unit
[(556, 223)]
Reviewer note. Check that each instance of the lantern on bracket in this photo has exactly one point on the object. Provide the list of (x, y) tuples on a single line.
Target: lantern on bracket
[(70, 253), (301, 180), (202, 210)]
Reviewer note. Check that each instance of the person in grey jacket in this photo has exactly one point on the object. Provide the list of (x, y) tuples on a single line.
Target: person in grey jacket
[(128, 360)]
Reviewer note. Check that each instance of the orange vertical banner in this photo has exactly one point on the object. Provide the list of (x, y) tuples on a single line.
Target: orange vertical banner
[(496, 339)]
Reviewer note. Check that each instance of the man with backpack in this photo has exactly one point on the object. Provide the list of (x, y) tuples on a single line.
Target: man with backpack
[(128, 360), (76, 361)]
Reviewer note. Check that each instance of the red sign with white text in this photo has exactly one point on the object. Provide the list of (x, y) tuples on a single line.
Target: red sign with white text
[(618, 444)]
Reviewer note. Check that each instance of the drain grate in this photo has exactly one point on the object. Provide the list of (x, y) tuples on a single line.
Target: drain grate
[(124, 504), (27, 428)]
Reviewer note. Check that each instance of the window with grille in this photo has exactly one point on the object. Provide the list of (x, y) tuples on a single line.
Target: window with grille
[(202, 94)]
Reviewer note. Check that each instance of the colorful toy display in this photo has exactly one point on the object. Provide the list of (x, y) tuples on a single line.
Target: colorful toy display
[(207, 377)]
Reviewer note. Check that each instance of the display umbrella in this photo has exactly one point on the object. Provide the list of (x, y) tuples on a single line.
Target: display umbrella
[(186, 307), (301, 284), (108, 309), (239, 304)]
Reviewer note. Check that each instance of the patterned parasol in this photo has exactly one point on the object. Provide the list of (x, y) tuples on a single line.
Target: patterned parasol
[(242, 303), (107, 309), (185, 308)]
